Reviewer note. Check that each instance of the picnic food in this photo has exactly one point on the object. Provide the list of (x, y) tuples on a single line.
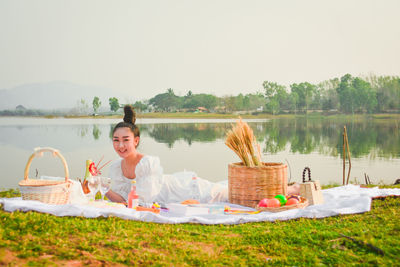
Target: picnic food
[(190, 201), (273, 203), (263, 202), (140, 208), (269, 203), (292, 201), (293, 196), (282, 199)]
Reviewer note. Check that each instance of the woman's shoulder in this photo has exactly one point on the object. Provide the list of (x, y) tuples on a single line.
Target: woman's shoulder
[(149, 159), (149, 163)]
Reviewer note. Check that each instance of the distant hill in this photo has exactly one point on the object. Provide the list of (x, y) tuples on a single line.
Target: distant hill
[(53, 95)]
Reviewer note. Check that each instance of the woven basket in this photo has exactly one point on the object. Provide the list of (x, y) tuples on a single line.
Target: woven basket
[(248, 185), (301, 205), (47, 191)]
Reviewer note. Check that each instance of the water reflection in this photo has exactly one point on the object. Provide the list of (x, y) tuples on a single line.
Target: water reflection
[(366, 137), (96, 132), (374, 145), (193, 132), (83, 130), (304, 136)]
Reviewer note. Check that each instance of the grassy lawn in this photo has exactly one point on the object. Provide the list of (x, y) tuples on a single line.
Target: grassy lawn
[(33, 238)]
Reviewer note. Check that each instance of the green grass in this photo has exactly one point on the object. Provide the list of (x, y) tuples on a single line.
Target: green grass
[(31, 238)]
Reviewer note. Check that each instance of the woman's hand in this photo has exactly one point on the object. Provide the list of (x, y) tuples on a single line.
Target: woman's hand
[(115, 197)]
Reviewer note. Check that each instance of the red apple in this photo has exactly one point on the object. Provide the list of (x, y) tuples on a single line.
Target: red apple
[(263, 202), (273, 203), (292, 201)]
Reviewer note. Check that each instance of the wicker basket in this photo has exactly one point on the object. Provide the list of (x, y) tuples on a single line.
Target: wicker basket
[(47, 191), (301, 205), (248, 185)]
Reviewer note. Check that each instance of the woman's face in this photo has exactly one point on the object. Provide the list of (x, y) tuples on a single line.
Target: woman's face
[(124, 142)]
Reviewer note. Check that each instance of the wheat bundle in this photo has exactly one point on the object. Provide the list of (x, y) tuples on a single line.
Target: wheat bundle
[(242, 141)]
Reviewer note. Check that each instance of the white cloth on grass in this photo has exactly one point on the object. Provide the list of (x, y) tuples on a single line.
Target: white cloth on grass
[(152, 185), (342, 200)]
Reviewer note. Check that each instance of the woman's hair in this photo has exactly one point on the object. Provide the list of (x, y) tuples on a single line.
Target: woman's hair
[(129, 121)]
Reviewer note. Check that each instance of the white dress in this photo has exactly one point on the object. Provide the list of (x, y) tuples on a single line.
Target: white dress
[(154, 186)]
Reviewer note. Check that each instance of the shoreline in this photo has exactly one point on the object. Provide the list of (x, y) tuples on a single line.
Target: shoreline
[(183, 115)]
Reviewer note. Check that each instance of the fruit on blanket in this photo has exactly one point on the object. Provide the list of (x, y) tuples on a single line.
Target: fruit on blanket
[(269, 203), (282, 199), (190, 201), (293, 196), (263, 202), (292, 201), (273, 203), (140, 208)]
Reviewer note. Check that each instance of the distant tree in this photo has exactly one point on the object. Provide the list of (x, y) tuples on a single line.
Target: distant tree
[(305, 92), (276, 96), (294, 102), (356, 95), (81, 107), (206, 100), (190, 101), (229, 102), (239, 102), (365, 96), (387, 90), (20, 107), (170, 91), (328, 93), (346, 94), (114, 104), (166, 102), (140, 106), (254, 101), (96, 103)]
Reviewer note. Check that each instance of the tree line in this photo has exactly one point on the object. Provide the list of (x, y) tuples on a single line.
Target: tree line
[(170, 102), (347, 94)]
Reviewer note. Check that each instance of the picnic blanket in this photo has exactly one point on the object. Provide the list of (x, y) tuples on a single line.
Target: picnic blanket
[(349, 199)]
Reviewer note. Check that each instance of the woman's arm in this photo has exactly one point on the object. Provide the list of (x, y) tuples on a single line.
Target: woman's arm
[(115, 197)]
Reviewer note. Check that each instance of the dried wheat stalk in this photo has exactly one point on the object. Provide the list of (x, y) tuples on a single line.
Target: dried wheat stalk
[(242, 141)]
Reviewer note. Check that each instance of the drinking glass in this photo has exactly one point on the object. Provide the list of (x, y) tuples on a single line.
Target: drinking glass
[(105, 185), (93, 184)]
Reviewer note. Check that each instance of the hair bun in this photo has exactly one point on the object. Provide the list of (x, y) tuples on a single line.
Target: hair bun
[(130, 114)]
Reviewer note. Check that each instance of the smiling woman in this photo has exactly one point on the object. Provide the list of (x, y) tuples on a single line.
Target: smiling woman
[(151, 184)]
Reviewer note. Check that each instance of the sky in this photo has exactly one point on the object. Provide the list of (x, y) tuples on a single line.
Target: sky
[(221, 47)]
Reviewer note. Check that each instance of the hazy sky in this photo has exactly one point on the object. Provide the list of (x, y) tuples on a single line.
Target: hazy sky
[(221, 47)]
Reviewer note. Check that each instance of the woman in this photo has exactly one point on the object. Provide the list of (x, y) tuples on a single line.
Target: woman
[(151, 184)]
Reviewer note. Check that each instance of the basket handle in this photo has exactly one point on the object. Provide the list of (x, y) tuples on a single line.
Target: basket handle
[(304, 174), (38, 153)]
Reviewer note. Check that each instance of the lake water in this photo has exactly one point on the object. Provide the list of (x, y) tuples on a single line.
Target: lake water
[(198, 145)]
